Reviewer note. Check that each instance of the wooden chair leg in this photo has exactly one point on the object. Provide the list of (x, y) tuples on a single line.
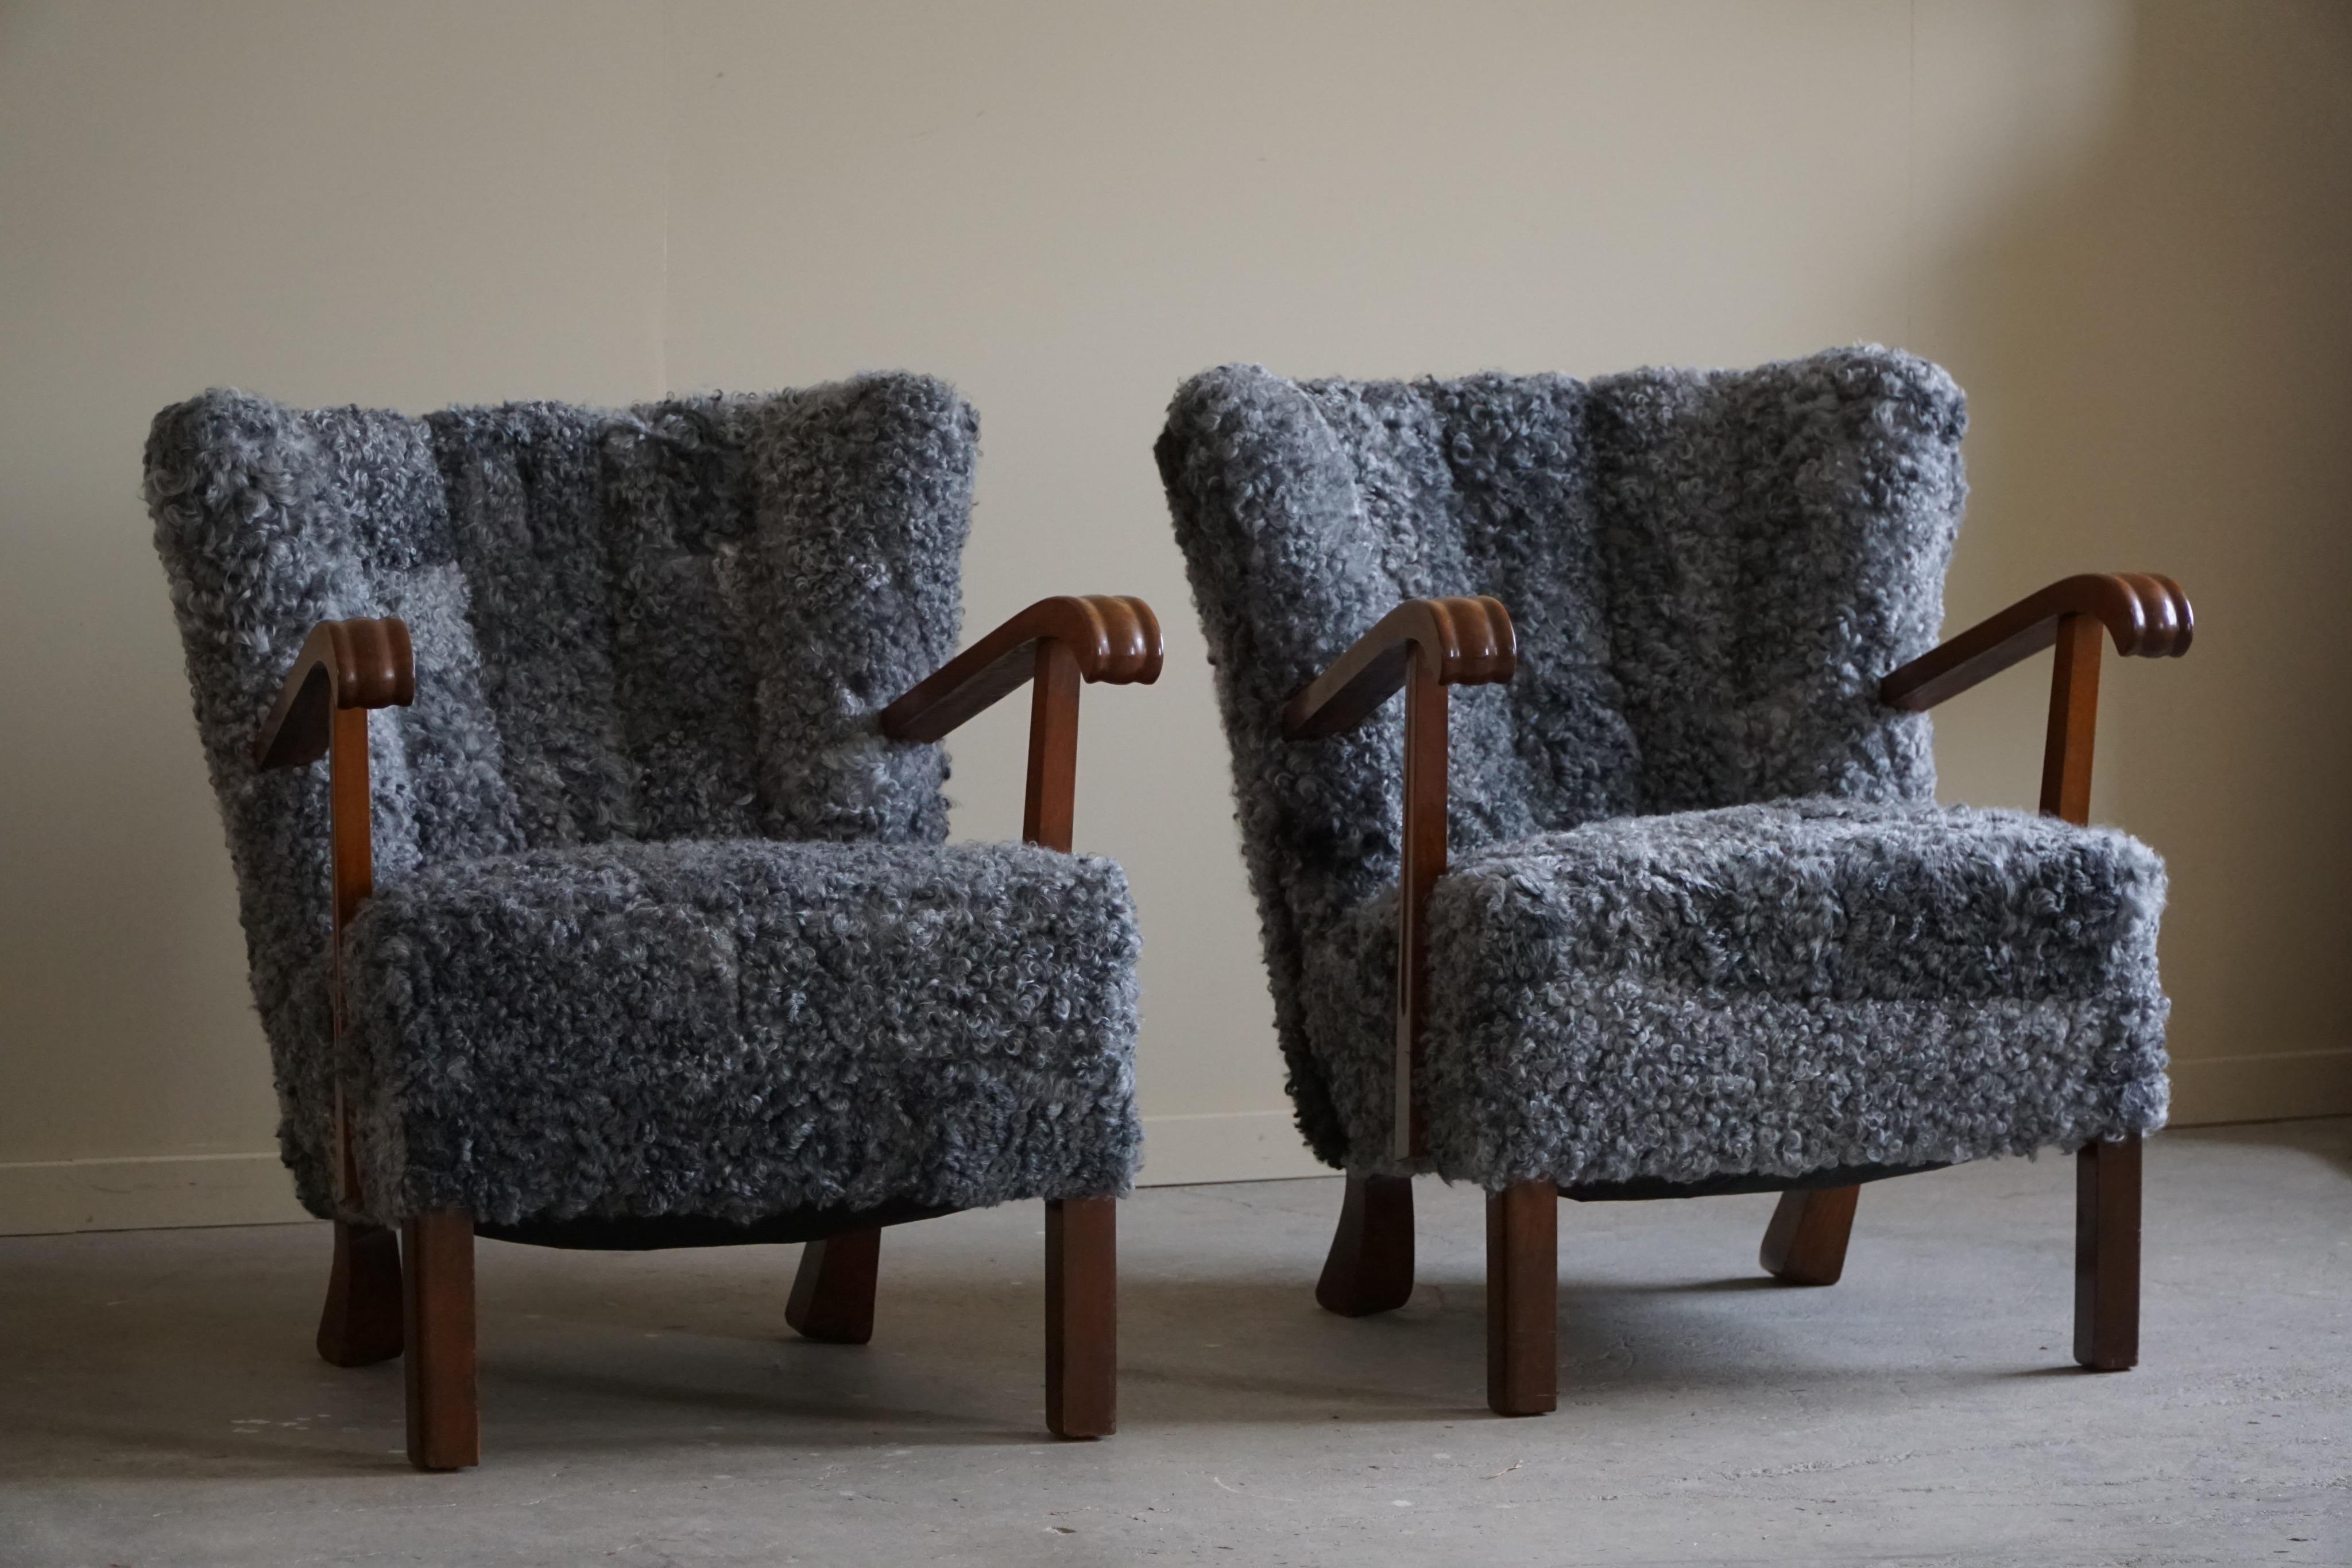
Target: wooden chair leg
[(444, 1420), (361, 1322), (1805, 1243), (2107, 1255), (1369, 1269), (1082, 1317), (1523, 1299), (833, 1295)]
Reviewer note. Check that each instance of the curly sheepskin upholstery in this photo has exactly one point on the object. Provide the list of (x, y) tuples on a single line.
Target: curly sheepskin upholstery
[(1704, 919), (741, 1026), (644, 860)]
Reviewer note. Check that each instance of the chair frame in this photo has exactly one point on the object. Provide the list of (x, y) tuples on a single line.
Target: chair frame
[(415, 1296), (1426, 645)]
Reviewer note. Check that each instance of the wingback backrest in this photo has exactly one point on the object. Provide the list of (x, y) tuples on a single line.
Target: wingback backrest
[(680, 620), (1708, 571)]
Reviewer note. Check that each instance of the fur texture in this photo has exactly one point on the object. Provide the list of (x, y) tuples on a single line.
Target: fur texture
[(737, 1028), (1709, 572), (673, 622)]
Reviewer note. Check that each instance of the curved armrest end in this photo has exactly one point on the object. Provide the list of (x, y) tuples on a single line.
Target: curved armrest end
[(1470, 640), (2146, 614), (354, 664), (1114, 638)]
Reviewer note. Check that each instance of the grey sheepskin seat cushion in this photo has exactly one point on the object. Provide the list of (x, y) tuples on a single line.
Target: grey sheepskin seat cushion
[(726, 1028), (634, 628), (1682, 832), (1766, 990)]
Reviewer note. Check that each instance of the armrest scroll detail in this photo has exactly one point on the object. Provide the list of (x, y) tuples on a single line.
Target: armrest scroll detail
[(1468, 643), (1113, 639), (342, 664), (2147, 615)]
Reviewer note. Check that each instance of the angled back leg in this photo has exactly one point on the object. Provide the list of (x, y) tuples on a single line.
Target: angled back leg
[(361, 1322), (833, 1295), (1369, 1269), (1805, 1243)]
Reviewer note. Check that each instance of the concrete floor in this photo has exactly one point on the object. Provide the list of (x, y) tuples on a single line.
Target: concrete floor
[(161, 1405)]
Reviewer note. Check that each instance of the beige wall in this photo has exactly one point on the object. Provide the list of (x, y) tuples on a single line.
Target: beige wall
[(2126, 230)]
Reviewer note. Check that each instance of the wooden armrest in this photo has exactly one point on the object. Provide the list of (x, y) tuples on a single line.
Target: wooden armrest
[(1422, 646), (1468, 641), (345, 668), (2147, 615), (1112, 638), (342, 664)]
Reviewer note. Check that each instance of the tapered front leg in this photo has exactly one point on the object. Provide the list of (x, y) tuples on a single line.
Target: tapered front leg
[(359, 1325), (1370, 1266), (1082, 1317), (2107, 1255), (1523, 1299), (833, 1295), (444, 1412), (1805, 1243)]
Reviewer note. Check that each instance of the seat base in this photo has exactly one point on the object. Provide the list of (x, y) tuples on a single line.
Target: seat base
[(1648, 1189), (626, 1233)]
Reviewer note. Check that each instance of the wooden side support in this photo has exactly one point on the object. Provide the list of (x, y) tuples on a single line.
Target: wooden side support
[(1423, 647), (1058, 644), (443, 1410), (833, 1294), (2147, 616), (344, 669), (1082, 1317)]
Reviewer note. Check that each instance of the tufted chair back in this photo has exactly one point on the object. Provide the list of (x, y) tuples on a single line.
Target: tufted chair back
[(676, 620), (1709, 571)]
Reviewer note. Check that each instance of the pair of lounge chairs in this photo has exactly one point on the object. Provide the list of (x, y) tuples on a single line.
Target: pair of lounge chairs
[(630, 922)]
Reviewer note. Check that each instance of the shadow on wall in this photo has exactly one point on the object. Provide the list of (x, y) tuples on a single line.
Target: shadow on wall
[(2158, 354)]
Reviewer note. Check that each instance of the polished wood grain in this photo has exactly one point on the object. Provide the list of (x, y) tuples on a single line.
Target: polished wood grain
[(361, 1324), (2147, 615), (1369, 1269), (1523, 1299), (1113, 640), (833, 1294), (1805, 1244), (1082, 1317), (2107, 1255), (437, 1270), (1463, 642)]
